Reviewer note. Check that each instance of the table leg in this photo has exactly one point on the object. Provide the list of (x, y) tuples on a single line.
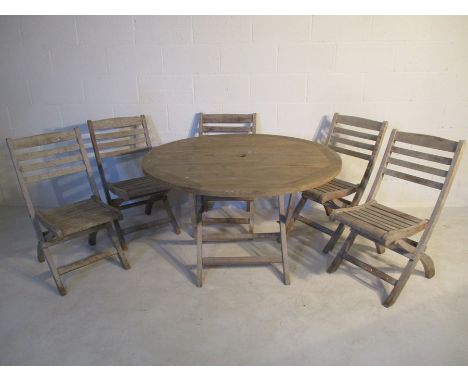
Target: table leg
[(284, 243), (198, 213), (291, 207)]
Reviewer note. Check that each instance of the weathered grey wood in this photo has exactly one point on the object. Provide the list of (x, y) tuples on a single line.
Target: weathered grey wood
[(242, 165), (418, 167), (118, 153), (284, 243), (207, 220), (226, 129), (54, 174), (144, 189), (199, 239), (393, 228), (352, 153), (353, 133), (224, 237), (414, 179), (428, 141), (330, 195), (350, 142), (421, 155), (69, 221), (359, 122), (251, 260), (22, 156), (50, 163), (375, 271), (42, 139), (117, 123), (227, 118)]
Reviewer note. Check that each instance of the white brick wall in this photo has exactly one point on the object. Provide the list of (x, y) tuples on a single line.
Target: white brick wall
[(294, 71)]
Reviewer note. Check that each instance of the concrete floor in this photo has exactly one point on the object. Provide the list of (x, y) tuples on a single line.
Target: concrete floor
[(154, 314)]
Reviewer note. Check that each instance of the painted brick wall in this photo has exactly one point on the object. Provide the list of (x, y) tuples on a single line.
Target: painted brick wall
[(294, 71)]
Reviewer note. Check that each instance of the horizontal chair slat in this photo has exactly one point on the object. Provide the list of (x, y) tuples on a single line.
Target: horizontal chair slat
[(427, 141), (227, 129), (358, 134), (120, 134), (54, 174), (121, 143), (350, 152), (353, 143), (114, 153), (418, 167), (42, 139), (115, 123), (359, 122), (370, 269), (51, 163), (227, 118), (84, 262), (421, 155), (414, 179), (46, 153)]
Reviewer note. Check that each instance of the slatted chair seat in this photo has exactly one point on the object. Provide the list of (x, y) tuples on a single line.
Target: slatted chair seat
[(380, 223), (354, 137), (332, 190), (123, 136), (52, 155), (72, 218), (391, 228), (137, 187)]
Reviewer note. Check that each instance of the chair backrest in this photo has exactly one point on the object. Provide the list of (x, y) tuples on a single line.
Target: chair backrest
[(47, 156), (360, 138), (227, 123), (117, 137), (402, 151)]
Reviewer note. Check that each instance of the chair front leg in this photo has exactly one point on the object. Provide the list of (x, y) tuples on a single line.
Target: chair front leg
[(392, 297), (120, 235), (334, 239), (92, 238), (116, 243), (53, 269), (297, 211), (339, 258), (40, 252)]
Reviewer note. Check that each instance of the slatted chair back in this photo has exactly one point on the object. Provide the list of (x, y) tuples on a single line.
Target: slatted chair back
[(117, 137), (46, 156), (437, 170), (227, 123), (357, 137)]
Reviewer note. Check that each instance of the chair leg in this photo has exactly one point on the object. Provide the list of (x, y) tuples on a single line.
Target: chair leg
[(120, 235), (40, 252), (284, 242), (53, 269), (92, 238), (428, 264), (392, 297), (149, 207), (379, 248), (120, 253), (345, 248), (199, 239), (251, 211), (334, 239), (168, 208), (205, 204), (297, 211)]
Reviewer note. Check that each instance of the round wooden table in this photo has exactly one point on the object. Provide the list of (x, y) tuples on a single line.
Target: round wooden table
[(247, 166)]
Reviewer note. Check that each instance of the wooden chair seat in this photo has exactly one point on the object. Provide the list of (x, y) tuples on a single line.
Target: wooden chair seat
[(332, 190), (380, 223), (77, 217), (137, 187)]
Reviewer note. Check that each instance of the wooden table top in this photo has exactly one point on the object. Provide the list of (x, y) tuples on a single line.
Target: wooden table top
[(242, 165)]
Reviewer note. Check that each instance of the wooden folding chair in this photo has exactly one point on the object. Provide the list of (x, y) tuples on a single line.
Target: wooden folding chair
[(51, 155), (228, 124), (118, 137), (391, 228), (362, 139)]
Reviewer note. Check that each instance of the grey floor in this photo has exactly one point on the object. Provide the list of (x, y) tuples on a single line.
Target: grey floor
[(154, 314)]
